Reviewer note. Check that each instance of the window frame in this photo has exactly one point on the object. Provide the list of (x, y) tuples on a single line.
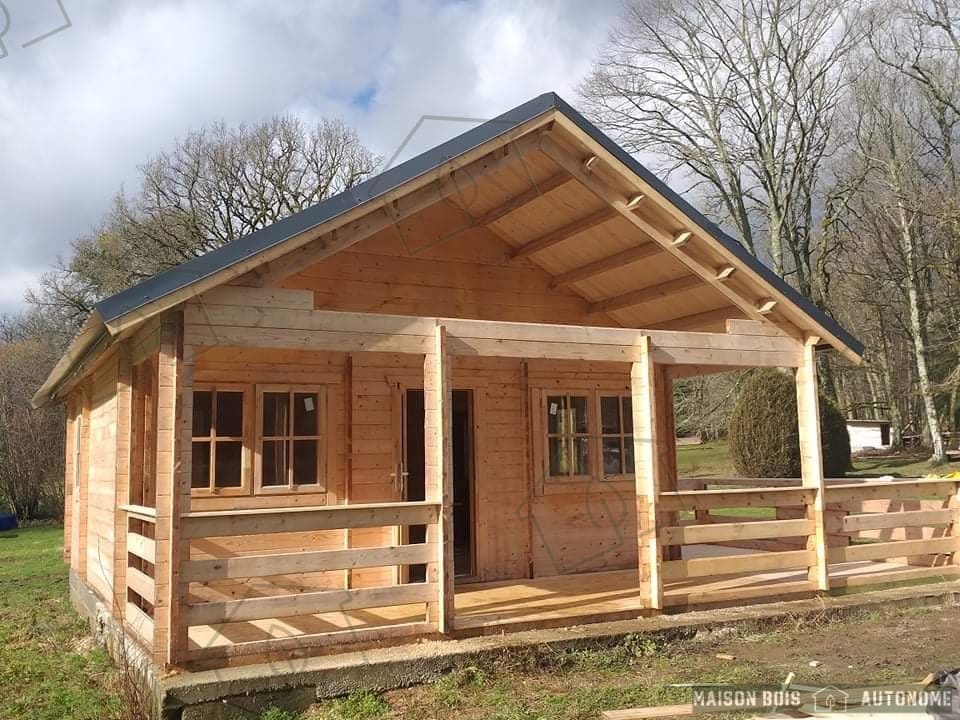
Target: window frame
[(323, 427), (622, 435), (547, 436), (212, 490), (545, 483)]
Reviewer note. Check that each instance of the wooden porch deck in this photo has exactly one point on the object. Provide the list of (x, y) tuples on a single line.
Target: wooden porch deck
[(563, 600)]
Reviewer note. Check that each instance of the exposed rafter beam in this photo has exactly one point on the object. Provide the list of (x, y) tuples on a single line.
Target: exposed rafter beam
[(648, 294), (725, 271), (765, 306), (696, 321), (387, 214), (611, 262), (527, 196), (563, 233), (598, 187)]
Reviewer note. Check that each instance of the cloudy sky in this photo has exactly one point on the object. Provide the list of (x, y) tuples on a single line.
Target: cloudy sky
[(82, 107)]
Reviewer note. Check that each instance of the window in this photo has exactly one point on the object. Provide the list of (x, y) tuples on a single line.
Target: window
[(616, 434), (568, 435), (588, 434), (218, 433), (291, 438)]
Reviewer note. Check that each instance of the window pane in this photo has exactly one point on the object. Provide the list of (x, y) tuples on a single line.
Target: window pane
[(273, 471), (611, 456), (559, 451), (305, 414), (627, 415), (229, 414), (578, 413), (610, 415), (200, 469), (582, 456), (202, 413), (276, 414), (305, 462), (227, 472), (628, 454), (555, 406)]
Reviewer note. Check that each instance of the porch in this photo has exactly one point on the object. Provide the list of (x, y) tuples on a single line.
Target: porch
[(885, 532), (268, 581)]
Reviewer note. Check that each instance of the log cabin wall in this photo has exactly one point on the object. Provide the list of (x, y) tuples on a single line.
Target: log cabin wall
[(520, 529), (101, 477), (465, 272)]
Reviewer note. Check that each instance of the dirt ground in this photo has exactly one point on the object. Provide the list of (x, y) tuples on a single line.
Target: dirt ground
[(896, 645)]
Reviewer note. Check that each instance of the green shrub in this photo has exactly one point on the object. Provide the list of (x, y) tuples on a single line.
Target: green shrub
[(763, 434)]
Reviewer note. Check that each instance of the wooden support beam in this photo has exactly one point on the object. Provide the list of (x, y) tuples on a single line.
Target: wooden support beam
[(647, 294), (604, 265), (647, 470), (237, 326), (953, 504), (811, 463), (172, 470), (122, 477), (527, 196), (565, 160), (725, 271), (554, 237), (438, 446), (765, 306)]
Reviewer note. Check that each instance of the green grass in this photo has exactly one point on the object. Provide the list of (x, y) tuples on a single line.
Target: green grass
[(712, 459), (48, 670), (358, 705)]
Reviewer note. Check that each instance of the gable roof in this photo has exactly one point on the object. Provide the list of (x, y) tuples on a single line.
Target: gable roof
[(143, 299)]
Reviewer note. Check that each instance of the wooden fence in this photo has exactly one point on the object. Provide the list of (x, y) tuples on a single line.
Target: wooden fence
[(140, 571), (240, 566)]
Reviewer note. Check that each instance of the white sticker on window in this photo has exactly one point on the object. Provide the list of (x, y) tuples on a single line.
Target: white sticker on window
[(553, 408), (308, 403)]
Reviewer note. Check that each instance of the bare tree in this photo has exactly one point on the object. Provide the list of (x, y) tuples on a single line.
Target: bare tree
[(31, 441), (897, 210), (216, 185), (741, 97)]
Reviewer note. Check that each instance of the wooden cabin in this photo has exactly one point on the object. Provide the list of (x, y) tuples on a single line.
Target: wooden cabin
[(440, 404)]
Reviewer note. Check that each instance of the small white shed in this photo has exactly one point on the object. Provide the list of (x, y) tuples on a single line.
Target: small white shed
[(867, 434)]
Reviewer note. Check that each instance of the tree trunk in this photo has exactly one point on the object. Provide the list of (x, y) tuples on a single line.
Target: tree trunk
[(917, 330)]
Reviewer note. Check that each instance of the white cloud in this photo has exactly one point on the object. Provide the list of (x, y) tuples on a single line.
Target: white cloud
[(80, 110)]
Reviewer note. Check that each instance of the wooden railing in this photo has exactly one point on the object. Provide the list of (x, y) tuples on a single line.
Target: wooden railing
[(279, 603), (729, 527), (141, 563), (876, 531), (912, 524)]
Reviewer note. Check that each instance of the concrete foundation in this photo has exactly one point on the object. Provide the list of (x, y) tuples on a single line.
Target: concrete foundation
[(243, 692)]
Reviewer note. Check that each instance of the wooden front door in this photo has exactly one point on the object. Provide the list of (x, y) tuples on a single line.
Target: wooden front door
[(412, 479)]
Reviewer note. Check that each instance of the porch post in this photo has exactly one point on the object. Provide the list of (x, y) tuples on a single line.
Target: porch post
[(647, 468), (438, 454), (172, 471), (811, 460), (122, 479)]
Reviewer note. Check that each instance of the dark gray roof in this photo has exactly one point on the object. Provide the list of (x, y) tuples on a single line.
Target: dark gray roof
[(190, 272)]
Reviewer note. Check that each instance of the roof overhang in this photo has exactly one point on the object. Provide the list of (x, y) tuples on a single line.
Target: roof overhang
[(123, 312)]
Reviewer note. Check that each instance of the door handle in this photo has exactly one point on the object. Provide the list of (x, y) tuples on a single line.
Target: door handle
[(400, 481)]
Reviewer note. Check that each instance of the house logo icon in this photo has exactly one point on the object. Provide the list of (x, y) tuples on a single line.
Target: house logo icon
[(830, 699)]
